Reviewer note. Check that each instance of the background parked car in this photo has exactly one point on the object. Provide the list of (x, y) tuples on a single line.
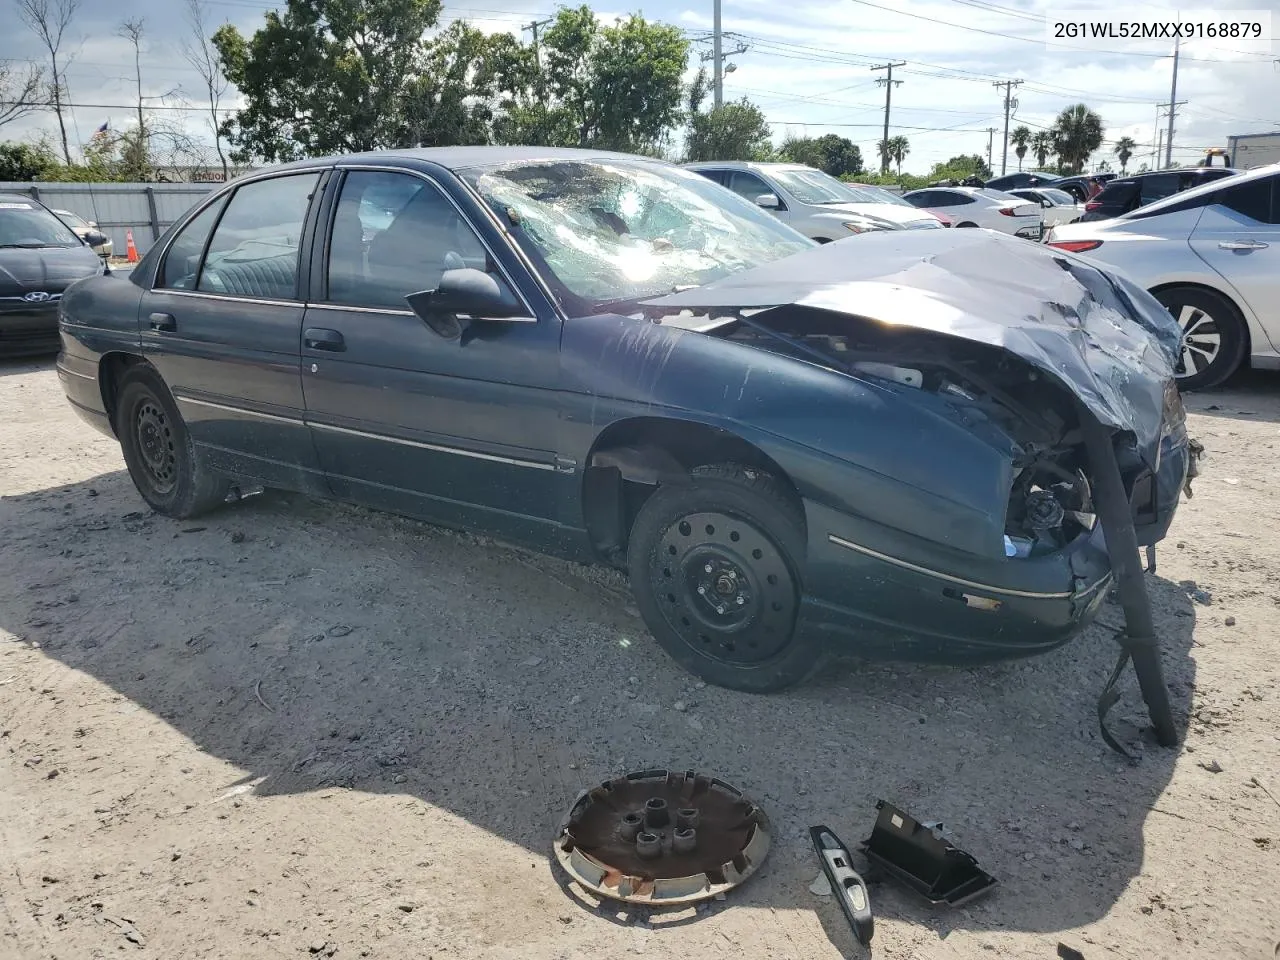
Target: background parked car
[(888, 196), (1086, 186), (1211, 255), (39, 258), (83, 229), (1056, 206), (813, 202), (1036, 178), (980, 207), (1129, 193)]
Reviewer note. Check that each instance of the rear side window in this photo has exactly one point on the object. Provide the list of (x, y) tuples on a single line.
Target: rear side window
[(254, 250), (1255, 200), (1158, 187), (182, 262), (716, 176), (948, 198)]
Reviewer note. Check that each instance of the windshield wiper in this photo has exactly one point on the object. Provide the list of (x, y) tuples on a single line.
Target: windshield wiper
[(28, 246)]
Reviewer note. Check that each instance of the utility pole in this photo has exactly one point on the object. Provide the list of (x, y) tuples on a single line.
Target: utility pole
[(1161, 138), (533, 28), (717, 84), (1009, 105), (1173, 105), (888, 82), (991, 135)]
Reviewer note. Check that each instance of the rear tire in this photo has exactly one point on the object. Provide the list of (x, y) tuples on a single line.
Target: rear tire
[(715, 566), (158, 450), (966, 224), (1215, 335)]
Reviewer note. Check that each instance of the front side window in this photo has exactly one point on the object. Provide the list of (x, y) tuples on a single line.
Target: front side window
[(24, 224), (395, 234), (254, 249), (612, 231), (748, 185), (182, 262)]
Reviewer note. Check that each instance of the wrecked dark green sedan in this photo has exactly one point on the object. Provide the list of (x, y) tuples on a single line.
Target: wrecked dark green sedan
[(874, 444)]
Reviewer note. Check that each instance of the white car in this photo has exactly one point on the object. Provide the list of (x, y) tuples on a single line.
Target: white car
[(1056, 206), (1211, 255), (812, 202), (981, 207)]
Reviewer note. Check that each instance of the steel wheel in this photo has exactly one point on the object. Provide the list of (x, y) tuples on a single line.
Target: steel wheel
[(156, 443), (725, 587), (1215, 339), (1201, 341)]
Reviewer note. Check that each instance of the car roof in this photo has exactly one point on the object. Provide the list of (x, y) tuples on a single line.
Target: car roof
[(1205, 189), (745, 165), (19, 198), (462, 158)]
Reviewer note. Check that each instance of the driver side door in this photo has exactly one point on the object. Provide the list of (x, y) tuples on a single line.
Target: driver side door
[(459, 431)]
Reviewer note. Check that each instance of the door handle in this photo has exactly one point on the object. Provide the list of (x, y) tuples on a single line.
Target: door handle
[(320, 338), (1242, 245), (163, 321)]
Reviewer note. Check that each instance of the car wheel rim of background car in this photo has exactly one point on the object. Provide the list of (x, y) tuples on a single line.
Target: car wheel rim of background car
[(156, 443), (724, 588), (1201, 340)]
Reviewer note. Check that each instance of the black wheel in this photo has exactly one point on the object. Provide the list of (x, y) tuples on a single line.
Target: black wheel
[(715, 573), (966, 224), (822, 239), (1214, 335), (158, 450)]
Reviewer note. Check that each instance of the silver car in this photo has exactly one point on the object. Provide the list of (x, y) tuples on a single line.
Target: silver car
[(811, 201), (1211, 255)]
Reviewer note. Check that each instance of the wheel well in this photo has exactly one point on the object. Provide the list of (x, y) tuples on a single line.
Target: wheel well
[(111, 370), (822, 239), (631, 459), (1205, 288)]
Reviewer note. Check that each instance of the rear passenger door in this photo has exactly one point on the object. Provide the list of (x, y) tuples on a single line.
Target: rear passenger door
[(223, 324), (461, 431)]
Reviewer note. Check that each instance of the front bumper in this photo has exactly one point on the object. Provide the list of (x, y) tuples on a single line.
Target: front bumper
[(879, 592), (28, 330)]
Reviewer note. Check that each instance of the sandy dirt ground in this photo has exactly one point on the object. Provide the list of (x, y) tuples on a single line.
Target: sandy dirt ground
[(298, 729)]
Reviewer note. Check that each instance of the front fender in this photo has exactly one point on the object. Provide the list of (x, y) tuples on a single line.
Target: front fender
[(894, 455)]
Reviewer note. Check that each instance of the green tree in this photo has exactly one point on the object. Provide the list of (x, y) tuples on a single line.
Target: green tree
[(23, 161), (899, 147), (1021, 140), (325, 76), (734, 131), (1124, 150), (1077, 133), (451, 100), (960, 168), (831, 153), (884, 150), (1042, 145)]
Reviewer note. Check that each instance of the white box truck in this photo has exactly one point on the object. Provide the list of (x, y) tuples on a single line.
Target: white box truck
[(1253, 150)]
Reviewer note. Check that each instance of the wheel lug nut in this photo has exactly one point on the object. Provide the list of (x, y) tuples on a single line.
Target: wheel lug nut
[(741, 601), (708, 568), (702, 590), (720, 610)]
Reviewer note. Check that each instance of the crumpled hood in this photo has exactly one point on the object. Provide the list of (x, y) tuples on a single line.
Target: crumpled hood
[(1102, 336), (49, 269)]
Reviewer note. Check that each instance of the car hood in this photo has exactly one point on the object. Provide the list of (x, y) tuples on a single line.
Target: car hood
[(1100, 335), (48, 269), (883, 211)]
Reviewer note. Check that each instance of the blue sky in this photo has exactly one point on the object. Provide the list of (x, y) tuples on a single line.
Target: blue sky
[(807, 66)]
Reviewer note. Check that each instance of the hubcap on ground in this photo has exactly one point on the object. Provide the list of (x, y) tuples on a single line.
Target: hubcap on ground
[(1201, 340), (724, 588), (156, 443)]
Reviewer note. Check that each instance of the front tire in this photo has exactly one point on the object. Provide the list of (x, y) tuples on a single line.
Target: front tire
[(1214, 335), (158, 450), (715, 566), (966, 225)]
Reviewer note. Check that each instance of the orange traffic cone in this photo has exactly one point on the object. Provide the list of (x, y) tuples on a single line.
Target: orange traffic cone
[(131, 251)]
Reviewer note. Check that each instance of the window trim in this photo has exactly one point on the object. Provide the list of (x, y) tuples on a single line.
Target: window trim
[(225, 196), (330, 219)]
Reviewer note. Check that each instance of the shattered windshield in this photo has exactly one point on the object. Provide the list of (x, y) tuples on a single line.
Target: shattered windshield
[(614, 230)]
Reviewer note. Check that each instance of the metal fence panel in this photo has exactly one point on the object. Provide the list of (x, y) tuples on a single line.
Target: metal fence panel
[(148, 209)]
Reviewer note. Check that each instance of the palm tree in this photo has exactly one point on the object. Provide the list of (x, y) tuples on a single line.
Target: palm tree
[(899, 147), (1124, 150), (1077, 133), (1021, 139), (1043, 147), (885, 149)]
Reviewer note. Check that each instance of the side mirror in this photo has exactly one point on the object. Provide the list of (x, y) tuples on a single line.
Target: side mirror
[(93, 223), (464, 294), (93, 238), (769, 201)]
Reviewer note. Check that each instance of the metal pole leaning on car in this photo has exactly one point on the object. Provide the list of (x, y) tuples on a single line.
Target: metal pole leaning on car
[(1139, 637)]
